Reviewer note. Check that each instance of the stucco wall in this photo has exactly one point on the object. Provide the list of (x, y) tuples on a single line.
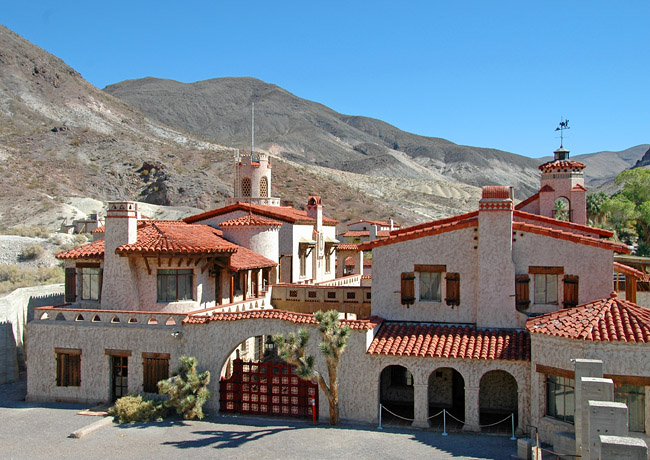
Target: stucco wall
[(619, 358), (593, 265), (453, 249)]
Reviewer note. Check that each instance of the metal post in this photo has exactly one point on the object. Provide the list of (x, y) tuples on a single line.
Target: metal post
[(444, 422), (512, 418), (379, 427), (313, 410)]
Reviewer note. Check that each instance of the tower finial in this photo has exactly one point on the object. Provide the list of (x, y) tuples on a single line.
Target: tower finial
[(564, 124), (252, 130)]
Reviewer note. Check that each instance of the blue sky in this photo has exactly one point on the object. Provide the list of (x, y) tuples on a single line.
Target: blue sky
[(483, 73)]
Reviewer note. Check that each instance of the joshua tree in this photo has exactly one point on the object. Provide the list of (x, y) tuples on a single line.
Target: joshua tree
[(335, 336), (187, 389)]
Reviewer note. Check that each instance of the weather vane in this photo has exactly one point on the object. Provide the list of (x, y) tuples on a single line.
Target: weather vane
[(564, 124)]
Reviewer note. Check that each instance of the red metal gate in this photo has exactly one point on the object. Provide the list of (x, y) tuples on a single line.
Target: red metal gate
[(267, 389)]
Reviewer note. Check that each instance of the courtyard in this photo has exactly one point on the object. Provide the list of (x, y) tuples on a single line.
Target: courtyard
[(42, 430)]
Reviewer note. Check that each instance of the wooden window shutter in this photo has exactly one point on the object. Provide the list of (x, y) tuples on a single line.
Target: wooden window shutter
[(570, 291), (522, 291), (70, 284), (408, 288), (453, 289)]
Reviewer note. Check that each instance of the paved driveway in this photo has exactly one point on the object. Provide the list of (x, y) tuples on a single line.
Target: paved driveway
[(30, 431)]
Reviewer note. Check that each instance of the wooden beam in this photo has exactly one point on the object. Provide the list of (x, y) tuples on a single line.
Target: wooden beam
[(146, 262), (208, 262), (180, 262), (169, 262)]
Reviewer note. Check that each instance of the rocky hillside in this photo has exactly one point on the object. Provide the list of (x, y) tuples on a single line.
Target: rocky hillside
[(310, 133), (644, 161), (62, 139)]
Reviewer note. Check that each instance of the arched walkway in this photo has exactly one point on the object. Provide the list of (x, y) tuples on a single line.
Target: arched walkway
[(396, 395), (446, 390), (498, 398)]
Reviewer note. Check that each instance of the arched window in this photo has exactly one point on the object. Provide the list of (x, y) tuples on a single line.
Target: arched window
[(264, 187), (246, 187)]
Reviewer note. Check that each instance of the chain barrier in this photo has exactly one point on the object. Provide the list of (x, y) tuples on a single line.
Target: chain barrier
[(444, 414)]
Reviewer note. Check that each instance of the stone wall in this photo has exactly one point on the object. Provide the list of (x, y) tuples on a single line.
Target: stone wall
[(16, 309)]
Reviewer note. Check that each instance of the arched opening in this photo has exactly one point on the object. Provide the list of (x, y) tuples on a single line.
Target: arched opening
[(264, 187), (498, 396), (246, 187), (255, 381), (562, 209), (447, 391), (396, 395)]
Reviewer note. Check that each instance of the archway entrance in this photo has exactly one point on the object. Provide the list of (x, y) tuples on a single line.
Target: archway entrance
[(255, 382), (447, 391), (498, 396), (396, 395)]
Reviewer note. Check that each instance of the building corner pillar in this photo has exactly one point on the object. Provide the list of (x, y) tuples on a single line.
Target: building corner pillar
[(420, 405), (471, 409)]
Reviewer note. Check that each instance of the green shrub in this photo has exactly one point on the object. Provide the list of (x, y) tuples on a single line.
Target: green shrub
[(14, 277), (33, 232), (31, 252), (135, 408)]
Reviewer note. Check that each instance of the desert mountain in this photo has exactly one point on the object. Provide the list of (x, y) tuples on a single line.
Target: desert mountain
[(63, 140), (310, 133)]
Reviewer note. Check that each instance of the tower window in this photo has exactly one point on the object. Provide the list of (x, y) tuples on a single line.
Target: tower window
[(246, 187), (264, 187)]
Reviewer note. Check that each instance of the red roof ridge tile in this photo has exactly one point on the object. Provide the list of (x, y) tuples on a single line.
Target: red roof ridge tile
[(282, 213), (562, 223), (527, 201), (573, 237), (561, 164)]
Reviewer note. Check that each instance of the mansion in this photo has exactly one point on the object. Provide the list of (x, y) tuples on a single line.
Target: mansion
[(479, 314)]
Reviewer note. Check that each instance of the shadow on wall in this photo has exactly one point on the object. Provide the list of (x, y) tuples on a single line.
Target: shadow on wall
[(8, 354)]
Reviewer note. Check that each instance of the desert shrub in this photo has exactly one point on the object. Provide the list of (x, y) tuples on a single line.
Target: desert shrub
[(187, 389), (31, 252), (135, 408), (14, 277), (33, 232)]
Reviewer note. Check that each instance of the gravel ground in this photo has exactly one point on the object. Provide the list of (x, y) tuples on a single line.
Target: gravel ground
[(41, 431)]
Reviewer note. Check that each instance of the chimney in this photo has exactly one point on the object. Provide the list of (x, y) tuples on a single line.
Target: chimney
[(496, 270), (118, 288), (315, 211), (391, 224), (373, 232)]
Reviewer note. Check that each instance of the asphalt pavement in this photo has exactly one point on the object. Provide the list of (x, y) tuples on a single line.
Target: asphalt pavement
[(34, 431)]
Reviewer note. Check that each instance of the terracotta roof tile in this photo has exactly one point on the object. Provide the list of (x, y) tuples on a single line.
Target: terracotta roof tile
[(375, 222), (606, 320), (561, 164), (250, 221), (495, 191), (94, 250), (518, 215), (245, 259), (281, 213), (569, 236), (429, 340), (99, 229), (638, 274), (527, 201), (177, 237), (298, 318), (347, 247)]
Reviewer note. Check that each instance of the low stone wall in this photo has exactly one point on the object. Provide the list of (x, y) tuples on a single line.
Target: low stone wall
[(16, 309), (353, 301)]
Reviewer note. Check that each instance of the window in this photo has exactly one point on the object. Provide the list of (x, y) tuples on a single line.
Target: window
[(68, 367), (634, 397), (264, 187), (328, 263), (175, 285), (560, 398), (452, 295), (246, 187), (570, 291), (303, 264), (545, 279), (91, 282), (430, 278), (155, 367), (545, 288)]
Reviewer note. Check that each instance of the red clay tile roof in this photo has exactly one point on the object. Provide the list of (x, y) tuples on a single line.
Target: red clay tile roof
[(281, 213), (562, 223), (347, 247), (527, 201), (428, 225), (579, 187), (606, 320), (355, 233), (99, 229), (245, 259), (450, 341), (547, 188), (561, 164), (250, 220), (638, 274), (574, 237), (298, 318), (433, 228), (375, 222), (177, 237), (94, 250), (495, 191)]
